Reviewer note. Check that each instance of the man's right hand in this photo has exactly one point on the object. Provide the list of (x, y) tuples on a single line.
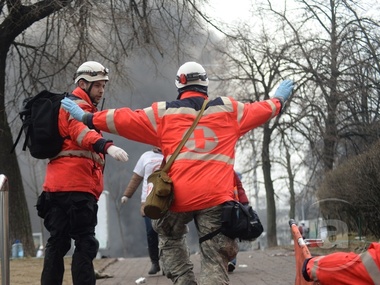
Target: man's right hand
[(71, 107), (124, 199)]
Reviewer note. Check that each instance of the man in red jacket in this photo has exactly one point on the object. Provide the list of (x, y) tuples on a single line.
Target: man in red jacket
[(74, 182), (345, 268), (202, 174)]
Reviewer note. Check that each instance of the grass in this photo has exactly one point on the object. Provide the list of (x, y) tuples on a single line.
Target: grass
[(27, 271)]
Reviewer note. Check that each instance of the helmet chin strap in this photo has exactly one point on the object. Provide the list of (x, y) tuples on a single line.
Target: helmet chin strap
[(88, 91)]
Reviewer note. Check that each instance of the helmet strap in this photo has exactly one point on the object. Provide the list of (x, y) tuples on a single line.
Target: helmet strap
[(88, 90)]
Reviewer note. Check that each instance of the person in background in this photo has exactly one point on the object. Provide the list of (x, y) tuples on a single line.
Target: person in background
[(202, 174), (304, 230), (242, 198), (300, 229), (148, 162), (73, 184)]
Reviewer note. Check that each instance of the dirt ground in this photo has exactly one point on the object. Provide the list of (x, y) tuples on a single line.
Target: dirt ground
[(270, 266), (265, 267)]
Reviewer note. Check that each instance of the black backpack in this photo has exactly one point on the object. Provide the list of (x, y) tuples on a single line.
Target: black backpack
[(39, 117)]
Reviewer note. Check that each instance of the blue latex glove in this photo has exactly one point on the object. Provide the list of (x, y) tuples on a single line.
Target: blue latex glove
[(284, 91), (71, 107)]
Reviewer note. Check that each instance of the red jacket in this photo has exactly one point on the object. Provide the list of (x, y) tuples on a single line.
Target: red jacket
[(346, 268), (202, 174), (78, 167)]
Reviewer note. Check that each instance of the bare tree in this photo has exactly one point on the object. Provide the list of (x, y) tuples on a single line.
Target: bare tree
[(338, 59), (15, 19), (327, 48), (334, 50)]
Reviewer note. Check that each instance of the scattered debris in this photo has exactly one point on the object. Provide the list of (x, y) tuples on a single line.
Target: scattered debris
[(102, 275), (141, 280)]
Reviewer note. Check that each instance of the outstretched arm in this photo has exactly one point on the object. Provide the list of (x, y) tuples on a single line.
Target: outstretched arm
[(139, 125)]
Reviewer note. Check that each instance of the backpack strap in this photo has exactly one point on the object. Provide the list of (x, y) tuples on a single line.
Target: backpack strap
[(72, 96), (17, 140), (209, 235), (22, 116), (26, 139)]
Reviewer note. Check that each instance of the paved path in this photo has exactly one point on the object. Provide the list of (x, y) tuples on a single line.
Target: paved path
[(268, 267)]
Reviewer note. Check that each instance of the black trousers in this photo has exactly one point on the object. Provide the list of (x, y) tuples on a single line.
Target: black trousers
[(152, 238), (70, 215)]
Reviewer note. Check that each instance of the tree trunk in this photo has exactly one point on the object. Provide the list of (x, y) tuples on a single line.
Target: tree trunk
[(292, 199), (19, 219), (271, 204), (20, 18)]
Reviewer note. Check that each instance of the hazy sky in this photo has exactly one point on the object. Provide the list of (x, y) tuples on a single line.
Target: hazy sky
[(230, 11)]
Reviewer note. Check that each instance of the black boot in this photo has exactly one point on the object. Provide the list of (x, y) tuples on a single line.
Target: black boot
[(153, 254), (154, 268)]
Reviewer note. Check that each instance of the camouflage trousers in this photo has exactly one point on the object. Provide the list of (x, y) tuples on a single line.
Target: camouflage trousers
[(174, 253)]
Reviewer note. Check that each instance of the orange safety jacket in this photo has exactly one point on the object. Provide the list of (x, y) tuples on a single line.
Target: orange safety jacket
[(202, 174), (345, 268), (78, 167)]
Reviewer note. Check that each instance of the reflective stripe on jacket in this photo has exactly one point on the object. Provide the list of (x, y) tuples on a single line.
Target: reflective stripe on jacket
[(202, 174), (343, 268), (77, 167)]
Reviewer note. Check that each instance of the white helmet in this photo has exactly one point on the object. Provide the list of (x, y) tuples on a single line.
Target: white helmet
[(191, 73), (91, 71)]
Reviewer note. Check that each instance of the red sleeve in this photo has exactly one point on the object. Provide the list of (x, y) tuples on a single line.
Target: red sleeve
[(257, 113), (241, 191), (139, 125)]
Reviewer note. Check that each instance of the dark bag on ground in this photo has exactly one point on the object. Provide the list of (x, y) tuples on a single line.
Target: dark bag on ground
[(160, 194), (238, 221), (39, 117)]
